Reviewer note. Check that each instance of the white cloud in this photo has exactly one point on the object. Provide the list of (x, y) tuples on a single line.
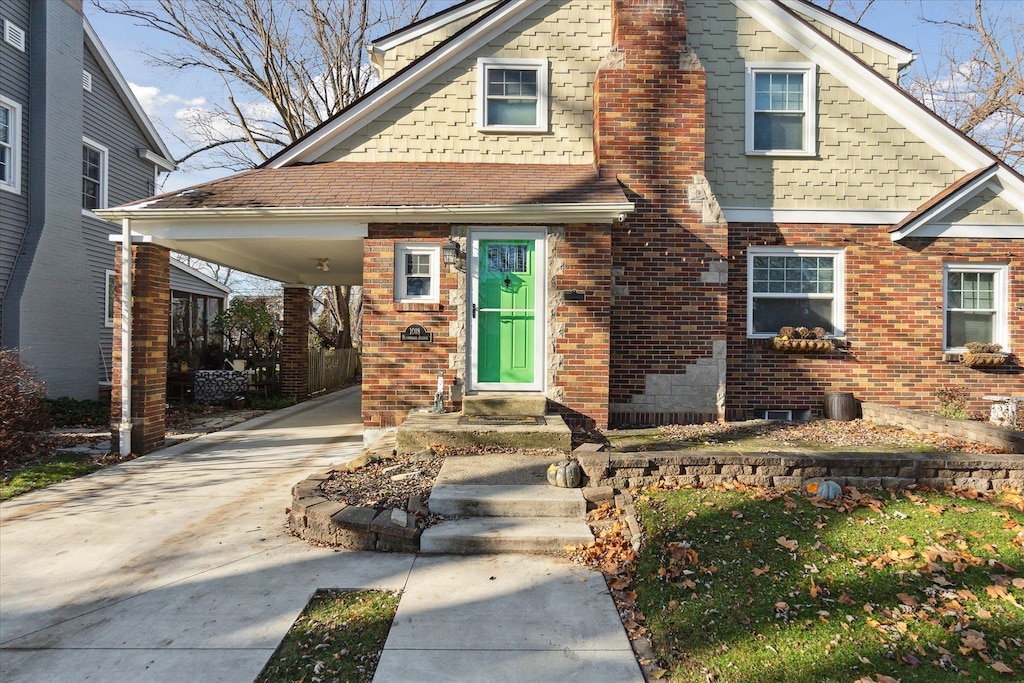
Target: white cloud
[(152, 100)]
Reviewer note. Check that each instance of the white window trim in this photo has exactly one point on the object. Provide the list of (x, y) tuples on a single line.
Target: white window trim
[(14, 183), (809, 70), (538, 65), (1002, 329), (838, 285), (108, 285), (434, 251), (104, 176)]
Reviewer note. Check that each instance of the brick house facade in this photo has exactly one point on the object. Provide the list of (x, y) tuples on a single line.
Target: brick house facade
[(661, 186)]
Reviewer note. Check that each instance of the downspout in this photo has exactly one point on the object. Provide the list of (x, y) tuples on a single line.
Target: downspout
[(124, 429)]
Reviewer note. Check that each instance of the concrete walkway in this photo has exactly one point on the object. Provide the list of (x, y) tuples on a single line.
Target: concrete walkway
[(177, 567)]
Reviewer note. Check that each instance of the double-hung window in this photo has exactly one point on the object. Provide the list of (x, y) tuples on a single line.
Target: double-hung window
[(94, 176), (512, 95), (416, 273), (780, 109), (975, 304), (794, 287), (10, 145)]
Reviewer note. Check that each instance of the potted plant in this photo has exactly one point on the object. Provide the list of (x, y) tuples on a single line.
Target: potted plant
[(980, 354)]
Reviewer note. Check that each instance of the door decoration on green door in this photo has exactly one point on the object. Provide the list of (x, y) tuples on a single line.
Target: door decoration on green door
[(506, 312)]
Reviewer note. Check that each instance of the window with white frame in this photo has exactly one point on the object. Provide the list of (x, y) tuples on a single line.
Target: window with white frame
[(975, 305), (416, 273), (10, 145), (780, 109), (794, 287), (108, 299), (94, 176), (512, 95)]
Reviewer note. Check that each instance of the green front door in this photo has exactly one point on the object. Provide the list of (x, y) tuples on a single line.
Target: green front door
[(506, 312)]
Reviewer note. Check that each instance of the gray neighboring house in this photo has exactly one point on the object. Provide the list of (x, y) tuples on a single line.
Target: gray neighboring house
[(73, 138)]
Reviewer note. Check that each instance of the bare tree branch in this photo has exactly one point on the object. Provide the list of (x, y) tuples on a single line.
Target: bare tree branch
[(288, 65)]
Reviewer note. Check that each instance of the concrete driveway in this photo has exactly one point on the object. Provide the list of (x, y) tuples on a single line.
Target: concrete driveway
[(177, 566)]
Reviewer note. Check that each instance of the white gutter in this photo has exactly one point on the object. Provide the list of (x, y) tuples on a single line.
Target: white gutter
[(581, 212), (124, 429)]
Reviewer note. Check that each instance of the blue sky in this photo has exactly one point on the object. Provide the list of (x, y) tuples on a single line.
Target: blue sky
[(165, 95)]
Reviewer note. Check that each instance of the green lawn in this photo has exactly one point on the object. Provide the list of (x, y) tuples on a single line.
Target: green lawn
[(43, 473), (752, 585), (338, 637)]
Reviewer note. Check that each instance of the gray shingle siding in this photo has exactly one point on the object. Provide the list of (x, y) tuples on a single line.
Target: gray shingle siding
[(107, 122), (55, 273), (14, 75)]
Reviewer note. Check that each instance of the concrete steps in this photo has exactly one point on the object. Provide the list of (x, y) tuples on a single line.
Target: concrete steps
[(530, 500), (485, 535), (502, 503), (506, 419)]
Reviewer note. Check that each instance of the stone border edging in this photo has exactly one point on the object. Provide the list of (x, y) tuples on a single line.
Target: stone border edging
[(318, 519), (782, 470)]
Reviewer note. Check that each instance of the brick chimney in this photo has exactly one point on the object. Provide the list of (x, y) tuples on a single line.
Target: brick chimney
[(669, 268)]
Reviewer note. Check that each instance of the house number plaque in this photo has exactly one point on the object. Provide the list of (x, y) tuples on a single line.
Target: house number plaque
[(417, 333)]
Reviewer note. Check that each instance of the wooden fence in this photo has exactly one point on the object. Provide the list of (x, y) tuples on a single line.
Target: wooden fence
[(331, 368)]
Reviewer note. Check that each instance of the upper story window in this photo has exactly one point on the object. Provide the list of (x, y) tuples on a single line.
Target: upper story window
[(10, 145), (417, 269), (94, 176), (794, 287), (781, 113), (513, 95), (975, 304)]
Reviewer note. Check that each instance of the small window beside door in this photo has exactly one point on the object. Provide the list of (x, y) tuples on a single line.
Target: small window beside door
[(417, 268)]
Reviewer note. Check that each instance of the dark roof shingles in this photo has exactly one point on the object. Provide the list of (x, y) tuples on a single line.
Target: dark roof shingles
[(352, 184)]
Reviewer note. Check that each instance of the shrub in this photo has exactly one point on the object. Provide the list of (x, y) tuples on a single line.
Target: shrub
[(70, 412), (23, 410), (270, 403)]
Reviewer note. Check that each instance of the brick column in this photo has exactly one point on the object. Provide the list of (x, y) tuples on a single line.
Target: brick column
[(295, 343), (151, 305)]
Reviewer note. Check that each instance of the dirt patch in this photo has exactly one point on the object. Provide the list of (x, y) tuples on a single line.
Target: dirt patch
[(388, 483), (759, 436)]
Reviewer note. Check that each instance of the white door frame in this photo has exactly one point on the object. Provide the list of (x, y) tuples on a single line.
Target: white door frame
[(539, 237)]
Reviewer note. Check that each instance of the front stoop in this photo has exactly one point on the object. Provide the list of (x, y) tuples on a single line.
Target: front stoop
[(502, 503), (505, 403), (423, 430)]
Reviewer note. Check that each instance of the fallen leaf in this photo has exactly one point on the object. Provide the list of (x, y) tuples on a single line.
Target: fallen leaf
[(1001, 668), (814, 590), (906, 540), (787, 543), (908, 600), (761, 571)]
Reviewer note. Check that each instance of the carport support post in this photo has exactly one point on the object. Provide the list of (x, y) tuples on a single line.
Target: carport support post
[(150, 319), (295, 342)]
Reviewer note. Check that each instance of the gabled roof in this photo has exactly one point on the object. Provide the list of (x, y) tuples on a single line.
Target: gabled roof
[(202, 277), (364, 110), (429, 24), (159, 155), (448, 192), (956, 194), (903, 55)]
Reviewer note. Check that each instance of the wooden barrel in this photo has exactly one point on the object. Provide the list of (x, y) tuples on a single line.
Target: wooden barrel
[(840, 405)]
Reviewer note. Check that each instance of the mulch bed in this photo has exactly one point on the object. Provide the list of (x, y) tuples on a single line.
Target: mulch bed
[(375, 485)]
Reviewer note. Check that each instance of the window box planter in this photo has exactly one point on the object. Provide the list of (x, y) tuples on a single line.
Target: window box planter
[(786, 345), (972, 360)]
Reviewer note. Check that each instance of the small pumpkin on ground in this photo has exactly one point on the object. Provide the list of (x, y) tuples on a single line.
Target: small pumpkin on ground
[(825, 489), (566, 474)]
